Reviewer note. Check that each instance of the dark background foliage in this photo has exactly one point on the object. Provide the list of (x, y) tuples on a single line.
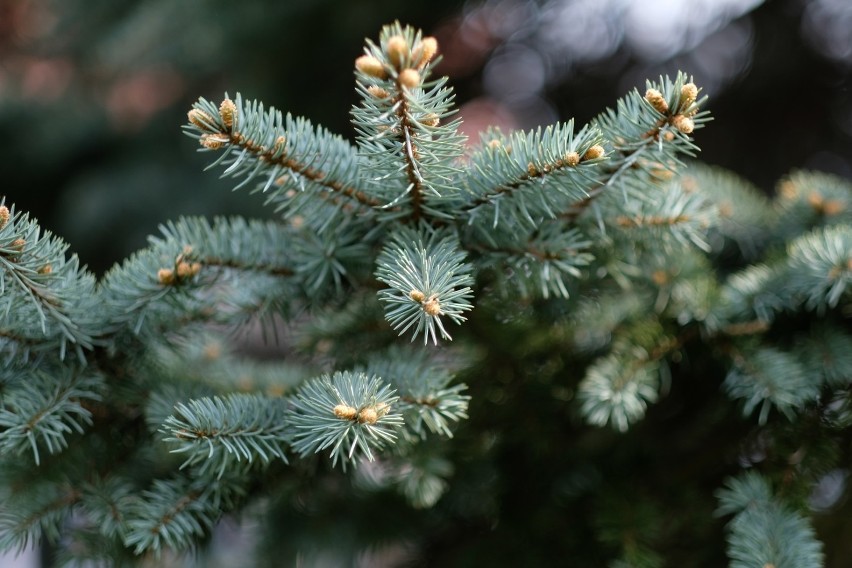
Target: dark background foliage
[(92, 94)]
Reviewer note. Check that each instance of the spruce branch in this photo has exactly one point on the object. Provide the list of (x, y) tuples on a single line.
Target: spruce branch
[(428, 279), (770, 377), (644, 131), (190, 275), (46, 299), (36, 516), (350, 413), (44, 406), (544, 264), (217, 433), (289, 154), (174, 513), (765, 531), (427, 401), (819, 268), (514, 182), (401, 123)]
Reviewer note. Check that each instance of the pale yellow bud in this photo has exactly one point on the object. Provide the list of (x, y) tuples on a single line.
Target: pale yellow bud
[(431, 119), (213, 141), (187, 269), (657, 100), (4, 216), (688, 94), (228, 111), (368, 415), (433, 307), (571, 159), (46, 269), (424, 51), (371, 66), (345, 412), (397, 50), (417, 295), (684, 124), (594, 152), (166, 276), (201, 119), (409, 78), (378, 92)]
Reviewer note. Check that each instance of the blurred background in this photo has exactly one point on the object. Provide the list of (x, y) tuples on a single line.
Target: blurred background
[(93, 92)]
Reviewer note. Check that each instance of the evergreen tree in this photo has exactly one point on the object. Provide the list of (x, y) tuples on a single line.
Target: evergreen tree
[(576, 279)]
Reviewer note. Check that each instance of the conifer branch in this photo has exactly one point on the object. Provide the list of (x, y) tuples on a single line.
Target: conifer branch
[(47, 296), (217, 433), (288, 152)]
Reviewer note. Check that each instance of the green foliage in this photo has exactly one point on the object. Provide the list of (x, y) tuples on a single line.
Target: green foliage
[(764, 531), (593, 282)]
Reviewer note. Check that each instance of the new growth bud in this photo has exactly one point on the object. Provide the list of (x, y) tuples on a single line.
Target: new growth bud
[(345, 412), (4, 216), (368, 415), (571, 159), (688, 94), (683, 123), (369, 65), (228, 112), (201, 119), (417, 295), (424, 51), (213, 141), (594, 152), (378, 92), (397, 50), (657, 100), (432, 306), (409, 78)]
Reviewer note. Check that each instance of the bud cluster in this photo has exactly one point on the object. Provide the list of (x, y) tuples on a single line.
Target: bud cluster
[(686, 108), (400, 60), (182, 271), (215, 132)]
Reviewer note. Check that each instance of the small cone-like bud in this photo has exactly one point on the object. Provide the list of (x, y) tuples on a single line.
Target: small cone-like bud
[(431, 119), (833, 207), (409, 78), (213, 141), (688, 94), (815, 200), (371, 66), (571, 159), (424, 51), (657, 100), (368, 415), (378, 92), (397, 50), (382, 408), (532, 171), (494, 144), (683, 124), (46, 269), (594, 152), (417, 295), (433, 307), (18, 245), (345, 412), (228, 111), (668, 136), (187, 269), (4, 216), (166, 276), (200, 119)]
